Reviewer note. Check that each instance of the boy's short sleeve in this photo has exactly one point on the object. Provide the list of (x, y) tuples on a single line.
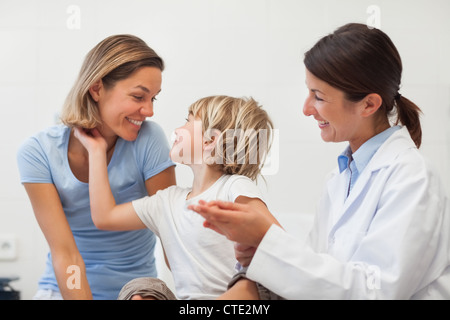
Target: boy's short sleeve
[(243, 186), (156, 209)]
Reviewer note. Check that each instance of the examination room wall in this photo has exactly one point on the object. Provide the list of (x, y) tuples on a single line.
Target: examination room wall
[(234, 47)]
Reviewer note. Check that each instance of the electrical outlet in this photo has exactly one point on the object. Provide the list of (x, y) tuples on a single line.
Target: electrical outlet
[(7, 246)]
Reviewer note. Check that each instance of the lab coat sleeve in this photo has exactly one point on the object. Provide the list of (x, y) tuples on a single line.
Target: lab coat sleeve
[(403, 251), (289, 267)]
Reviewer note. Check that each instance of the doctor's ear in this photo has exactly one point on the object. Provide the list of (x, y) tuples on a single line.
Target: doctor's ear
[(371, 103), (95, 90)]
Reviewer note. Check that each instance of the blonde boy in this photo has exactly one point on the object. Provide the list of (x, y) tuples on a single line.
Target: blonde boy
[(224, 142)]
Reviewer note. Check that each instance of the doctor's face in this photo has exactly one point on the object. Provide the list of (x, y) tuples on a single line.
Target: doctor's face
[(336, 117)]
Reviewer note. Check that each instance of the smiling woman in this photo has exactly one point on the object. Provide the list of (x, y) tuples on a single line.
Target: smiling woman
[(114, 94), (124, 106), (382, 226), (365, 76), (334, 112), (116, 58)]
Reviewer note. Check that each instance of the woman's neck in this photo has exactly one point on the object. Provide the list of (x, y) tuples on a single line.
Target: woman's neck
[(75, 146), (109, 136), (370, 132)]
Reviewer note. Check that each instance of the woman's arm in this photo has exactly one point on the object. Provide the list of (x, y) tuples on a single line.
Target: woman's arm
[(245, 222), (382, 263), (67, 262), (106, 214), (161, 181)]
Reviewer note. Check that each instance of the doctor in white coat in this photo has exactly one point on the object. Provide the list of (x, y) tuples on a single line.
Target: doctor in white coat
[(382, 230)]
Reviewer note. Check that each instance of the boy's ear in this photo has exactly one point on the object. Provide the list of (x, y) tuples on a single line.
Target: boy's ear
[(95, 90), (210, 143), (371, 103)]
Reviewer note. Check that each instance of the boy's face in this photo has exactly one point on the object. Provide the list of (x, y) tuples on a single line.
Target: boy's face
[(188, 145)]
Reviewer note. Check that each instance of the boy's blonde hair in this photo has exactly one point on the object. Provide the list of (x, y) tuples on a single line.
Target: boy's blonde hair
[(113, 59), (243, 131)]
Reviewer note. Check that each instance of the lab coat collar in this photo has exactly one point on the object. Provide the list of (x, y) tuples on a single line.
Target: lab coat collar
[(396, 144)]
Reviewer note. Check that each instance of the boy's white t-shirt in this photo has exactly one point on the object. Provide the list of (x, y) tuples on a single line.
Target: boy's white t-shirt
[(202, 261)]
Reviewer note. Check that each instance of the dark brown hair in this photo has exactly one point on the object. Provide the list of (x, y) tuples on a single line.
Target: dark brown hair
[(358, 61)]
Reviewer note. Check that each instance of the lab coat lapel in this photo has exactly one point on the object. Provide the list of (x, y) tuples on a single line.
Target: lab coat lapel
[(397, 143), (337, 192)]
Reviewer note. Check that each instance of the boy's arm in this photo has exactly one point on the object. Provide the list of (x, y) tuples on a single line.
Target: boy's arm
[(243, 289), (106, 214)]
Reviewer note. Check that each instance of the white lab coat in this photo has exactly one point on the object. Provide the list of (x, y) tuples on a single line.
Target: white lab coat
[(390, 239)]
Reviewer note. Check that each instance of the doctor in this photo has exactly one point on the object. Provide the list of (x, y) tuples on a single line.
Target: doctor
[(382, 230)]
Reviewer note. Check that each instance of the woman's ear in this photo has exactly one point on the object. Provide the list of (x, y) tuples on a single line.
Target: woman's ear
[(95, 90), (371, 103)]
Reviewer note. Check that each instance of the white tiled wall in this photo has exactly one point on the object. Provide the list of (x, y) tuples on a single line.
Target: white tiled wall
[(236, 47)]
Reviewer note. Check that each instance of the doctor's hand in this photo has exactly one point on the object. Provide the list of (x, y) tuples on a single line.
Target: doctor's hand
[(244, 254), (91, 139), (242, 223)]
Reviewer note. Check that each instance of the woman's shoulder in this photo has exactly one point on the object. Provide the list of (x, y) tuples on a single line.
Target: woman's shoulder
[(51, 133), (150, 129), (399, 148), (50, 137), (150, 135), (400, 159), (42, 153)]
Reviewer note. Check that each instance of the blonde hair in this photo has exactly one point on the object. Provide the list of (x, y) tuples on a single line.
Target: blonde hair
[(244, 132), (113, 59)]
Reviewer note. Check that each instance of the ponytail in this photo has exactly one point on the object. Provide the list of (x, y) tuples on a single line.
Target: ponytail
[(408, 114)]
